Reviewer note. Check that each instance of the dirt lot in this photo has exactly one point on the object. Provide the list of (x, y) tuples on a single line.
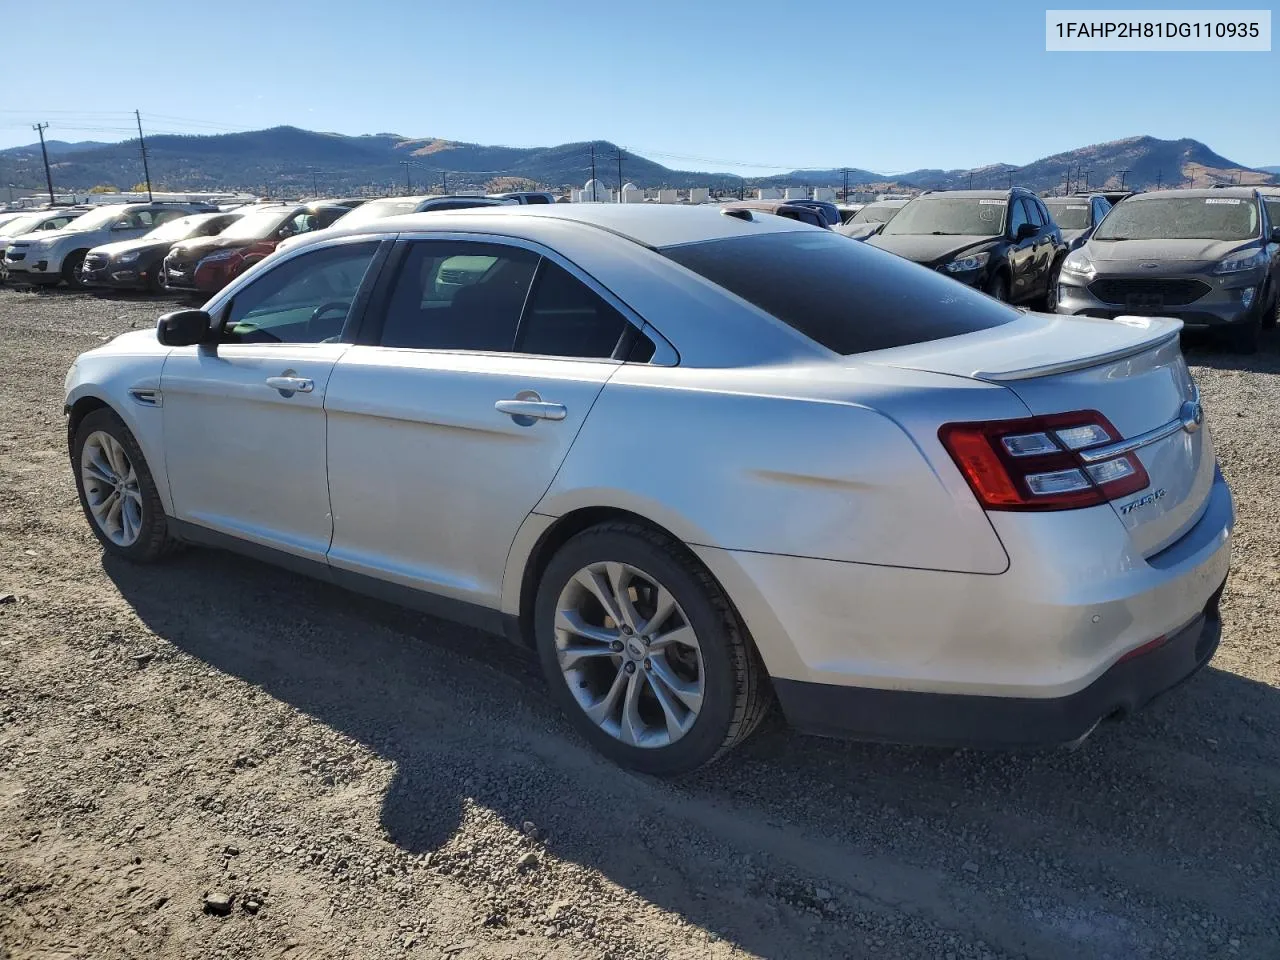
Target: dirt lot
[(364, 782)]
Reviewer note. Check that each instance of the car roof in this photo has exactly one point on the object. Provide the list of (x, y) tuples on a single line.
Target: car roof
[(1244, 193), (651, 225)]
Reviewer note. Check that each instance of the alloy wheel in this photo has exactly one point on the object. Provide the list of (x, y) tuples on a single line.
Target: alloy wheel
[(111, 488), (629, 654)]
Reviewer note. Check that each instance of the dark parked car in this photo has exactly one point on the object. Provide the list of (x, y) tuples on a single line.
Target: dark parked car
[(526, 196), (139, 264), (1211, 258), (1077, 217), (782, 208), (208, 264), (871, 219), (1001, 241)]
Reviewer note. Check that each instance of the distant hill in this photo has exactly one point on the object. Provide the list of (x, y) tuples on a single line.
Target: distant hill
[(288, 160), (1275, 169)]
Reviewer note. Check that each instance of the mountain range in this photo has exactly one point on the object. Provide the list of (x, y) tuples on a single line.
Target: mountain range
[(289, 160)]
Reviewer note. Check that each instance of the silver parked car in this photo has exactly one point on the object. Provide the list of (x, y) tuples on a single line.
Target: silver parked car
[(697, 460)]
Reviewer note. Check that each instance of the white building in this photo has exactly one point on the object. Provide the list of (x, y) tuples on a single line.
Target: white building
[(699, 195), (667, 195), (796, 193), (768, 193), (632, 194), (825, 193), (595, 192)]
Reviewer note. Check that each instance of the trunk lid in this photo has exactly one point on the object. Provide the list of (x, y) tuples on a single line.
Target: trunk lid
[(1131, 370)]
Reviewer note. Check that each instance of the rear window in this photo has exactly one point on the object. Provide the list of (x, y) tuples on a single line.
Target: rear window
[(847, 296)]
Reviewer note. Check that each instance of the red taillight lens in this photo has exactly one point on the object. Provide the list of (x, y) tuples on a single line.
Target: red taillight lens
[(1032, 464)]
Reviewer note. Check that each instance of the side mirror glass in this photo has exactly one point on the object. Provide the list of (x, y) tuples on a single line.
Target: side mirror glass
[(184, 328), (1025, 230), (1275, 234)]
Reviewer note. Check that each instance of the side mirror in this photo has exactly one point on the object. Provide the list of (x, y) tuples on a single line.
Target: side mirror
[(184, 328), (122, 225), (1275, 234), (1026, 230)]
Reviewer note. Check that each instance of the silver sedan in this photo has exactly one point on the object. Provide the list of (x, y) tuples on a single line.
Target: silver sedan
[(699, 460)]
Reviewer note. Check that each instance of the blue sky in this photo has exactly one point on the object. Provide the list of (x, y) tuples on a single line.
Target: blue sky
[(768, 86)]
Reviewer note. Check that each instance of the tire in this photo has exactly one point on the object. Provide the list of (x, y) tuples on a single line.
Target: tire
[(71, 269), (735, 695), (156, 280), (1273, 315), (152, 540), (1051, 293), (998, 287), (1243, 337)]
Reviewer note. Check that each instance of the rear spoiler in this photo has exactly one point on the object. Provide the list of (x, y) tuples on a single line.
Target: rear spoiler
[(1090, 360)]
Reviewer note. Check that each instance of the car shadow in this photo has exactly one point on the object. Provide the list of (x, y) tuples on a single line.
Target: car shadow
[(1207, 348), (466, 721)]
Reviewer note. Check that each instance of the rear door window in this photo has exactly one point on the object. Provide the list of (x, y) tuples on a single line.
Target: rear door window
[(565, 318), (847, 296)]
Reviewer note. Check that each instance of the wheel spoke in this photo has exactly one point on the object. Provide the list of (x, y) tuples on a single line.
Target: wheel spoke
[(102, 509), (600, 589), (620, 577), (682, 634), (675, 725), (127, 529), (663, 607), (571, 620), (687, 692), (115, 455), (113, 521), (602, 709), (632, 726), (97, 469)]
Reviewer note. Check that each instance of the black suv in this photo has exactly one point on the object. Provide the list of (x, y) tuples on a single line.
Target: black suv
[(1003, 242), (1077, 216)]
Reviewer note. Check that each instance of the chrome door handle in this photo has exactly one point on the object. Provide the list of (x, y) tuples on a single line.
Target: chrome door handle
[(291, 385), (530, 410)]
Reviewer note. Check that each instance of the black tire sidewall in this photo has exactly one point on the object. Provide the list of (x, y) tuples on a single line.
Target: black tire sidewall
[(71, 269), (708, 735), (996, 286), (154, 538)]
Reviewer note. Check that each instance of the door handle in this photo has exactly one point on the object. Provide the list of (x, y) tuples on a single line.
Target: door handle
[(288, 386), (530, 410)]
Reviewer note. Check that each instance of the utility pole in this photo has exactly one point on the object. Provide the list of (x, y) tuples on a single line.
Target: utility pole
[(315, 183), (970, 179), (1123, 173), (845, 193), (1159, 178), (142, 145), (48, 177), (1086, 180), (593, 173), (619, 174), (444, 180), (1010, 172), (408, 182)]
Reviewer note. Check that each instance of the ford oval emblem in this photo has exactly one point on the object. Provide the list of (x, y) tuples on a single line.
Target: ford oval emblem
[(1149, 266), (1192, 416)]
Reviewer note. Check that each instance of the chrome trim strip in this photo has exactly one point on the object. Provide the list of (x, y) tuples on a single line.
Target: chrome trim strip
[(1121, 447)]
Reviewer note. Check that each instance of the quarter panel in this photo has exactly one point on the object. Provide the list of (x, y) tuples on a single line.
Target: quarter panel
[(784, 461)]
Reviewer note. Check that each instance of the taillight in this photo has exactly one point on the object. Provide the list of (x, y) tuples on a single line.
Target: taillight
[(1033, 464)]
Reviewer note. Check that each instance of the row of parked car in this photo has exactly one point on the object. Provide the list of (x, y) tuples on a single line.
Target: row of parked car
[(1210, 257), (183, 246)]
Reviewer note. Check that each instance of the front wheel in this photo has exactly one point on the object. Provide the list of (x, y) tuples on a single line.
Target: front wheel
[(71, 270), (117, 491), (998, 287), (1051, 294), (643, 652)]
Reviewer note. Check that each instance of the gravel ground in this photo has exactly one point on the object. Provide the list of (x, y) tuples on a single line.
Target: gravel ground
[(218, 759)]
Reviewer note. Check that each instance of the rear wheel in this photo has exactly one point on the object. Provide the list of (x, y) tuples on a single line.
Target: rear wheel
[(156, 279), (643, 652), (998, 287), (71, 269)]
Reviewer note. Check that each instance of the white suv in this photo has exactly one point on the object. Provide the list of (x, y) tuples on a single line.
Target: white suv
[(56, 256)]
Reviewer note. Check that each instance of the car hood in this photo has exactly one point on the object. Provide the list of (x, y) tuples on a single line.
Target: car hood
[(140, 245), (1071, 236), (203, 246), (55, 235), (1157, 250), (926, 248)]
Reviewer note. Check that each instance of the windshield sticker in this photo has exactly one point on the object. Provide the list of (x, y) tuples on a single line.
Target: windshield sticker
[(1076, 208), (996, 203), (1231, 200)]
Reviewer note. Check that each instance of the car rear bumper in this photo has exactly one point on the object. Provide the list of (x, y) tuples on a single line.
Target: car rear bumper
[(941, 719), (861, 649)]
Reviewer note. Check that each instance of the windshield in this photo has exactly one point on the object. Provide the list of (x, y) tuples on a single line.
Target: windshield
[(950, 216), (848, 297), (378, 209), (178, 229), (1069, 214), (21, 225), (876, 213), (257, 225), (96, 219), (1181, 218)]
